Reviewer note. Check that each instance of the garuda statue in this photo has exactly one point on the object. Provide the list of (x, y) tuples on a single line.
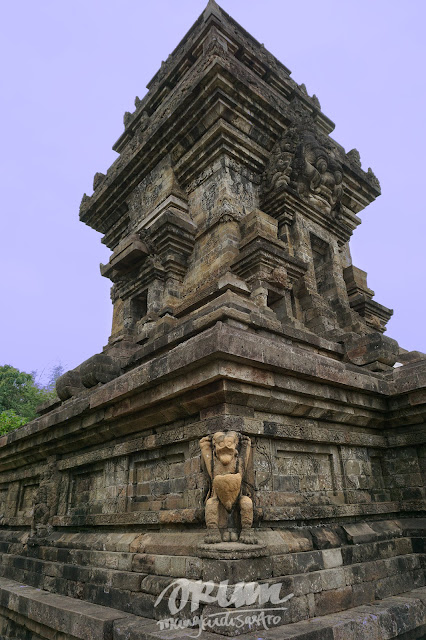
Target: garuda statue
[(228, 511)]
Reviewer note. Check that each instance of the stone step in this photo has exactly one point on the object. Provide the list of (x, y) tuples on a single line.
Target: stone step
[(45, 614), (316, 593), (277, 540), (301, 561), (41, 612), (395, 618), (354, 573)]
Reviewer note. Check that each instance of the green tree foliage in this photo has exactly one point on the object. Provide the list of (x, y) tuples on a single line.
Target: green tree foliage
[(19, 392), (56, 371), (9, 421), (20, 395)]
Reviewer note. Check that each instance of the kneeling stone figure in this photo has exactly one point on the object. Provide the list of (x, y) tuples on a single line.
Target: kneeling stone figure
[(226, 456)]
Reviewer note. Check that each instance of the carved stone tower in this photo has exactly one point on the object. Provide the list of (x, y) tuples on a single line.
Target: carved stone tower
[(246, 421)]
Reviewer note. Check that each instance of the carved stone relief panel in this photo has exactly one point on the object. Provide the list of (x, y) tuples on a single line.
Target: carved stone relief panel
[(116, 483), (157, 480), (402, 474), (263, 465), (149, 192), (364, 475), (3, 499), (305, 472), (27, 493), (87, 491), (377, 471)]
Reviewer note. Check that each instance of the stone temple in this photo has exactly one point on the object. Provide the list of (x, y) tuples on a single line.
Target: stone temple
[(248, 421)]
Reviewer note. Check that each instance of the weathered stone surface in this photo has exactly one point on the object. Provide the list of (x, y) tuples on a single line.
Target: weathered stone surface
[(297, 540), (246, 387), (358, 533), (69, 384), (332, 558), (373, 348), (99, 368), (59, 613), (325, 538)]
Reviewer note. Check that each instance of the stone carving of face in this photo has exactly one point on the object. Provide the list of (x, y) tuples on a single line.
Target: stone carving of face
[(225, 446), (322, 164), (321, 176), (302, 160)]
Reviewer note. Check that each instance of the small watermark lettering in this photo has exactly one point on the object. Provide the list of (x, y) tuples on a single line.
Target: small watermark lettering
[(248, 605)]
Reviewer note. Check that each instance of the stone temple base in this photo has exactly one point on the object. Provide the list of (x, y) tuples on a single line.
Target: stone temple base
[(344, 579), (27, 613), (104, 496), (246, 386)]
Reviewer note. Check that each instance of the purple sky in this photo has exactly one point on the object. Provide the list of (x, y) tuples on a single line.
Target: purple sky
[(72, 68)]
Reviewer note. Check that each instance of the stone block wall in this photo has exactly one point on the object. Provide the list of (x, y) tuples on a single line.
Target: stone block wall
[(237, 309)]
